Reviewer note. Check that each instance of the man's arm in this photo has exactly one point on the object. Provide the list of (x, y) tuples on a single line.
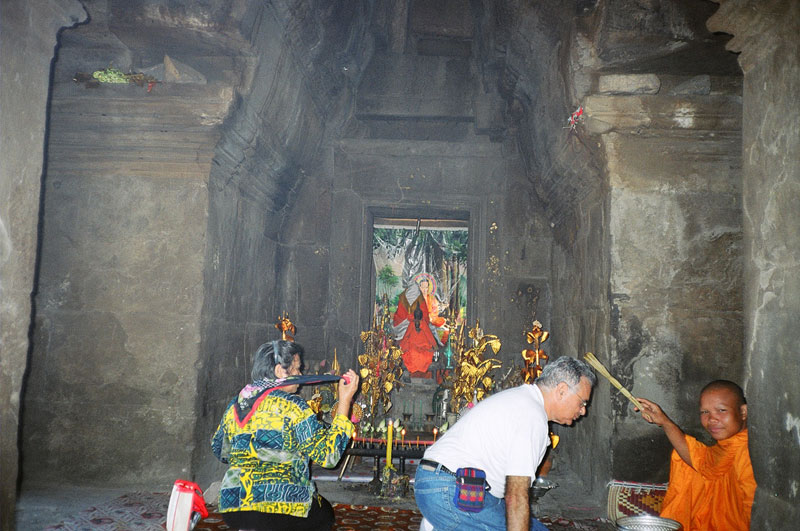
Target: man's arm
[(518, 510), (652, 413)]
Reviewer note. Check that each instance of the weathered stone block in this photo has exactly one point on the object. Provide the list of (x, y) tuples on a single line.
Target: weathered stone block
[(307, 281), (101, 254), (679, 244), (629, 84), (715, 113), (126, 365), (698, 85), (449, 17), (489, 115), (678, 162), (440, 86), (428, 171)]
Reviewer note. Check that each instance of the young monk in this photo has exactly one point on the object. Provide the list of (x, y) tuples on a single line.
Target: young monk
[(710, 487)]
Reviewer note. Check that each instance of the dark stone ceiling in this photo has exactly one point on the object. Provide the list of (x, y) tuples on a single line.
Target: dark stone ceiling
[(516, 69)]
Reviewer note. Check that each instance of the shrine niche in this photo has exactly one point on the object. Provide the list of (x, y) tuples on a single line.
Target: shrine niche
[(420, 271)]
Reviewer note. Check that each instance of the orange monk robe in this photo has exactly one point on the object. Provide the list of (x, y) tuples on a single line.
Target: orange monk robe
[(716, 493)]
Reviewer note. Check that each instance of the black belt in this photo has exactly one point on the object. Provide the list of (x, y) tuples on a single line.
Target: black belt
[(435, 465)]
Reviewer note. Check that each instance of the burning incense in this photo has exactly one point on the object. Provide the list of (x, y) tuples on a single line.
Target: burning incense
[(594, 362)]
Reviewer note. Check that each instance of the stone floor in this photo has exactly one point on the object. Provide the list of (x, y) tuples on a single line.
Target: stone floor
[(41, 506), (45, 505)]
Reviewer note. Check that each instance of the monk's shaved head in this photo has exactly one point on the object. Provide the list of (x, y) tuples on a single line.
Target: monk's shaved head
[(726, 385)]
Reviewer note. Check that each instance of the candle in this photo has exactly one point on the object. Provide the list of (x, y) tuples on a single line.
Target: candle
[(402, 437), (417, 441), (435, 431), (389, 446)]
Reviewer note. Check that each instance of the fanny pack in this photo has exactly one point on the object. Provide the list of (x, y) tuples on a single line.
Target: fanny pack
[(471, 488)]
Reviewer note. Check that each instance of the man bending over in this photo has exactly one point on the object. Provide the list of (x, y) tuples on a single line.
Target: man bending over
[(505, 436)]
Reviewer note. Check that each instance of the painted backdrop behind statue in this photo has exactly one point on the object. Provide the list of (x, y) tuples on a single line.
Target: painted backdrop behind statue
[(421, 279)]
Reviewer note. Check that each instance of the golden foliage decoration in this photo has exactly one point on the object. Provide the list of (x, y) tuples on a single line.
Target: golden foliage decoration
[(381, 368), (286, 327), (471, 378), (534, 357)]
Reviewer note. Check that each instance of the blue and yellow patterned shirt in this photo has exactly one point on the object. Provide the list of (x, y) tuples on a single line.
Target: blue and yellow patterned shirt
[(269, 454)]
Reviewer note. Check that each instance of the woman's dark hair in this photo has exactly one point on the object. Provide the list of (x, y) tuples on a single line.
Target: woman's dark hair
[(270, 355)]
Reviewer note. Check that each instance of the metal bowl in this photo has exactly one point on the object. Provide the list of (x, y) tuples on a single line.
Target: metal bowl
[(647, 523), (541, 486)]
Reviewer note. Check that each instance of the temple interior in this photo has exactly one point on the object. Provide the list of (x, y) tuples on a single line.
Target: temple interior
[(179, 175)]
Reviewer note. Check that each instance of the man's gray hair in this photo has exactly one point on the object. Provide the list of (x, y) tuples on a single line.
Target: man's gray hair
[(567, 370)]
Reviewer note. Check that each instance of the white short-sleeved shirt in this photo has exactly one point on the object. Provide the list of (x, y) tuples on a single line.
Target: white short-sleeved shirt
[(505, 435)]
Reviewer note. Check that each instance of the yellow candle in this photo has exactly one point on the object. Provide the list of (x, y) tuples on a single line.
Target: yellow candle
[(402, 438), (435, 431), (389, 446)]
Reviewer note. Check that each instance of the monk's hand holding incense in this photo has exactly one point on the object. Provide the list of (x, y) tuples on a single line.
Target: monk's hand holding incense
[(652, 412)]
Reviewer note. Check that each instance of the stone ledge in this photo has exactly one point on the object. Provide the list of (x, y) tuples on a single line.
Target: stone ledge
[(420, 148), (443, 108), (690, 112), (170, 103)]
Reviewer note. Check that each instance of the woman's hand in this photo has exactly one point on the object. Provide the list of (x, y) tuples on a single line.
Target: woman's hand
[(348, 386)]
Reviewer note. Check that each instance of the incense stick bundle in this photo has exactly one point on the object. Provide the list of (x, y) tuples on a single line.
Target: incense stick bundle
[(594, 362)]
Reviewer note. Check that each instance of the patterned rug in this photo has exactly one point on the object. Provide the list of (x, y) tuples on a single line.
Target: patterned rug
[(348, 518), (363, 518), (368, 518), (626, 498), (147, 511), (584, 524)]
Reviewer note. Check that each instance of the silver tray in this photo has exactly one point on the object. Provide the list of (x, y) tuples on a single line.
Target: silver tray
[(647, 523)]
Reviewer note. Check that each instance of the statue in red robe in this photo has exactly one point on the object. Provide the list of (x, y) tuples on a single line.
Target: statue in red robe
[(413, 331)]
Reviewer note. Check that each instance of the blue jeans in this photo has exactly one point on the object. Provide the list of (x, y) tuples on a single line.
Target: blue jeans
[(434, 492)]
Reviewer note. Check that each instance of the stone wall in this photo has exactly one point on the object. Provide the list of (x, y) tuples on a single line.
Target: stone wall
[(172, 242), (648, 268), (675, 233), (121, 282), (480, 182), (27, 40), (238, 313), (267, 221), (766, 34), (163, 228), (581, 320)]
